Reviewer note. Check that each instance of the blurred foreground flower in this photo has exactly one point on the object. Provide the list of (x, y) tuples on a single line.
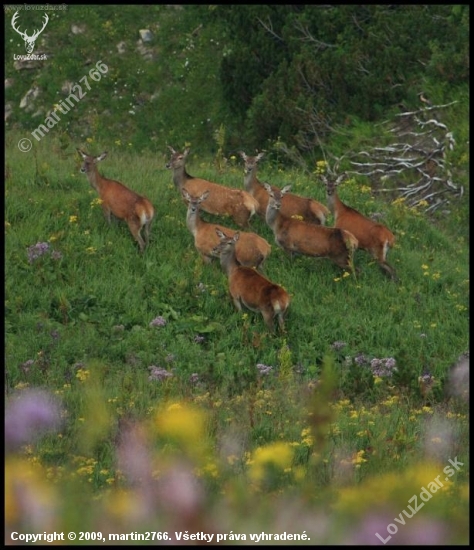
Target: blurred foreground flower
[(458, 385), (275, 455), (28, 415)]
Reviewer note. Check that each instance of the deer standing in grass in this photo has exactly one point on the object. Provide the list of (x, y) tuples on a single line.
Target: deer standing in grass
[(296, 236), (251, 249), (119, 200), (308, 209), (372, 236), (250, 288), (222, 200)]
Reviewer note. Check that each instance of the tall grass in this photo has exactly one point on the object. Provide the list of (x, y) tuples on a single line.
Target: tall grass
[(153, 366)]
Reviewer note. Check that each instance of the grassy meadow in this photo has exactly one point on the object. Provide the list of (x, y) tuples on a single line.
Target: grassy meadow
[(179, 414)]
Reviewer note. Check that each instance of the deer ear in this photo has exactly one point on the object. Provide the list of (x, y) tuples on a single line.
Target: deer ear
[(236, 237), (285, 189), (220, 234), (101, 157)]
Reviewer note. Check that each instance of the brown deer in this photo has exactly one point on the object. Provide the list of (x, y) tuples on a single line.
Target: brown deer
[(299, 237), (119, 200), (373, 237), (236, 203), (309, 210), (251, 249), (249, 288)]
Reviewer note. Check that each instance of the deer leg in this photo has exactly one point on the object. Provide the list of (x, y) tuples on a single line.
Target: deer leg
[(237, 304), (147, 231), (135, 228), (106, 211), (388, 270), (268, 318)]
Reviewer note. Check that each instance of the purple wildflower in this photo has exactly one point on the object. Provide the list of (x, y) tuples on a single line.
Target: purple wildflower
[(25, 367), (375, 363), (56, 255), (158, 373), (28, 415), (360, 359), (264, 369), (336, 346), (383, 367), (158, 322), (199, 339), (36, 250), (194, 378)]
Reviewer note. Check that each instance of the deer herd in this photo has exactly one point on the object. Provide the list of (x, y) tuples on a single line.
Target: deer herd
[(298, 225)]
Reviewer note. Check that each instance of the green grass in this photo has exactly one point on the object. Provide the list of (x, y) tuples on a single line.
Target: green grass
[(84, 322)]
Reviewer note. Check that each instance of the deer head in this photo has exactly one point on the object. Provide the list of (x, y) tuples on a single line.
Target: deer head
[(29, 40)]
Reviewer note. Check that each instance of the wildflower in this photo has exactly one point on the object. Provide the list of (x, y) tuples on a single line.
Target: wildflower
[(36, 250), (185, 425), (337, 345), (28, 414), (426, 382), (199, 339), (383, 367), (358, 458), (25, 367), (279, 455), (82, 374), (170, 358), (306, 437), (264, 369), (360, 359), (72, 219), (56, 255), (158, 322), (158, 373), (194, 378)]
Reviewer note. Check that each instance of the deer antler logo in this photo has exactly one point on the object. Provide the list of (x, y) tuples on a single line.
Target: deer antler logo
[(29, 40)]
